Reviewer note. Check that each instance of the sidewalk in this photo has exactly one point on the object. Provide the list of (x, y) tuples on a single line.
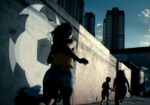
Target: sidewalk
[(133, 100)]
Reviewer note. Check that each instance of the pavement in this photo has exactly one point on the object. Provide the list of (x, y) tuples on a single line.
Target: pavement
[(133, 100)]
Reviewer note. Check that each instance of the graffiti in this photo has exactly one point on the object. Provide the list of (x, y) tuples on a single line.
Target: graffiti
[(24, 51)]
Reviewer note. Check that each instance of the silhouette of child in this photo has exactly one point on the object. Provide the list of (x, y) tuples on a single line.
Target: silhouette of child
[(105, 90), (120, 85), (60, 77)]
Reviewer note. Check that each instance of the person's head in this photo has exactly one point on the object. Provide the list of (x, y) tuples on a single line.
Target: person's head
[(62, 32), (120, 74), (108, 79)]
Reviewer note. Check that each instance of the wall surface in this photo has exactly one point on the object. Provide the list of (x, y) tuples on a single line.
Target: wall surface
[(25, 41)]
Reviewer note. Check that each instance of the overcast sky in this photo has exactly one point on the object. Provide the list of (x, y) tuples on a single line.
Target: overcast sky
[(137, 19)]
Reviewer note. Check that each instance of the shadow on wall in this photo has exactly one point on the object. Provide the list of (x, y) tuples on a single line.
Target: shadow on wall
[(10, 82), (29, 96), (32, 96)]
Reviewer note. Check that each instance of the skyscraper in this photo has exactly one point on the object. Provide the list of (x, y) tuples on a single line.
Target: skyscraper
[(74, 7), (89, 22), (113, 29)]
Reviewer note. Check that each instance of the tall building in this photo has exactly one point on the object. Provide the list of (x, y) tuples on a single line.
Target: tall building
[(113, 29), (89, 22), (74, 7)]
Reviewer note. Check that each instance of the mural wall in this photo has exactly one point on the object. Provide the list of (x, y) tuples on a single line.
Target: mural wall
[(25, 41)]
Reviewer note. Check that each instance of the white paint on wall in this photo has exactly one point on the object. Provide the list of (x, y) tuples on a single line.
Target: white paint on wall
[(24, 51)]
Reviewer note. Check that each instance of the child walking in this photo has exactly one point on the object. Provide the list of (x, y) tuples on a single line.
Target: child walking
[(105, 90)]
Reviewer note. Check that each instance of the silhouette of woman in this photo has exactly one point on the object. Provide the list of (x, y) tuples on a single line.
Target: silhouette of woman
[(60, 77), (120, 87)]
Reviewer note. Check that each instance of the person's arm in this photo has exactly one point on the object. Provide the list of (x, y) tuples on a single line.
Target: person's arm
[(128, 85), (50, 58), (65, 49), (111, 89), (114, 84), (103, 85), (51, 55)]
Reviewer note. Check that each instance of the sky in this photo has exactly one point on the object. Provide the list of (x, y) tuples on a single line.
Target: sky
[(137, 19)]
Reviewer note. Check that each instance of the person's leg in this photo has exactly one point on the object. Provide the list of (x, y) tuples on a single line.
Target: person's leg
[(66, 96), (50, 85), (54, 103), (101, 101), (103, 97), (107, 95), (57, 99), (48, 93), (48, 100), (66, 89), (50, 89), (123, 94), (107, 100), (116, 99)]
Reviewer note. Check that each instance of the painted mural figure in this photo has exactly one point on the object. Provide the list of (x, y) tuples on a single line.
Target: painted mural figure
[(60, 77), (105, 90), (120, 85)]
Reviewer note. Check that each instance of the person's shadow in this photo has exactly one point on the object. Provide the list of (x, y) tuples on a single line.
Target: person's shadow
[(29, 96)]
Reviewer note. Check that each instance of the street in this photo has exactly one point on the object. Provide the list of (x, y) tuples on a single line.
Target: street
[(133, 100)]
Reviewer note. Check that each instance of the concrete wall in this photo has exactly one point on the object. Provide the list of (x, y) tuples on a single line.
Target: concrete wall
[(25, 41)]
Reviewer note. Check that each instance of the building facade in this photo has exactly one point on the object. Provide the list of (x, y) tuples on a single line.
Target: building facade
[(89, 22), (74, 7), (113, 29)]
